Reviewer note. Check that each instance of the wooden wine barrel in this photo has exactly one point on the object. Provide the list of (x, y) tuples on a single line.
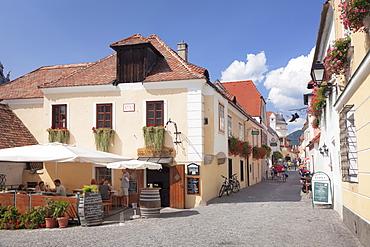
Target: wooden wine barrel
[(90, 209), (150, 202)]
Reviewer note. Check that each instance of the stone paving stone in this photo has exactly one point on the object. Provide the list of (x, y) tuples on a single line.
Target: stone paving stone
[(270, 213)]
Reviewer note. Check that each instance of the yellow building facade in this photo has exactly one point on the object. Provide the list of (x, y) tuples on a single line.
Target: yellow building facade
[(195, 113)]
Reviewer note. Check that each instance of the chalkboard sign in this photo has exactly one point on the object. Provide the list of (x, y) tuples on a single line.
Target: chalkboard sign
[(90, 209), (320, 192), (321, 188), (193, 186), (132, 187)]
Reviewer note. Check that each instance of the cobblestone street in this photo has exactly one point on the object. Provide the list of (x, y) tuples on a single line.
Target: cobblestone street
[(271, 213)]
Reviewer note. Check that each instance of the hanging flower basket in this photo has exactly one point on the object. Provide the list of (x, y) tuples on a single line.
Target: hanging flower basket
[(103, 138), (59, 134), (353, 13), (237, 147), (317, 105), (267, 149), (154, 137), (336, 61), (259, 153)]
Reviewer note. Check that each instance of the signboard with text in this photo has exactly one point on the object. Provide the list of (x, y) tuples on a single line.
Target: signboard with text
[(321, 188)]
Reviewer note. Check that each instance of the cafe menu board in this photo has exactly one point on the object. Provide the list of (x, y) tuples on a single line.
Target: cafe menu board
[(193, 186), (93, 207), (321, 188), (321, 192), (132, 187)]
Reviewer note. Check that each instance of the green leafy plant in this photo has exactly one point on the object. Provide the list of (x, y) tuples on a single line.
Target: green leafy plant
[(90, 188), (59, 134), (336, 61), (353, 13), (103, 138), (61, 206), (33, 218), (277, 155), (154, 137), (10, 217)]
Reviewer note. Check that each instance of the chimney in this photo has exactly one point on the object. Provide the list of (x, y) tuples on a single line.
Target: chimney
[(182, 50)]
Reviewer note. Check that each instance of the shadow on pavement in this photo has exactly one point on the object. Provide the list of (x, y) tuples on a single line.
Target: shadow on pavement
[(266, 191)]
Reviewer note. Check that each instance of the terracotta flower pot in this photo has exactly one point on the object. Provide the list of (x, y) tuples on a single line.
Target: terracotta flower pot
[(50, 222), (63, 222)]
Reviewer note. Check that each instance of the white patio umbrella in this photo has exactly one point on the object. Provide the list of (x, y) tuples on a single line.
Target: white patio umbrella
[(134, 164), (57, 152)]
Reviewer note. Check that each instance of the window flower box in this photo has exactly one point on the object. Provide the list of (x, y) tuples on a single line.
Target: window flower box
[(237, 147), (336, 61), (154, 137), (353, 13), (259, 152), (58, 134), (103, 138)]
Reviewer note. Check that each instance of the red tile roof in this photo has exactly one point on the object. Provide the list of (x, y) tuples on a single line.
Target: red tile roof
[(247, 95), (170, 67), (13, 133), (101, 72), (27, 86)]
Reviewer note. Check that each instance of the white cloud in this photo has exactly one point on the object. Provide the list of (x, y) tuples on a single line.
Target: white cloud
[(253, 69), (288, 84)]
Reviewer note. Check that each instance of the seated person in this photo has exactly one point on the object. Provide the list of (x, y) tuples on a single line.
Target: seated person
[(60, 189), (21, 189), (41, 187), (104, 189)]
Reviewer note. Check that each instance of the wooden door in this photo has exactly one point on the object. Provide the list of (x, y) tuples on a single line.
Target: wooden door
[(136, 183), (177, 186)]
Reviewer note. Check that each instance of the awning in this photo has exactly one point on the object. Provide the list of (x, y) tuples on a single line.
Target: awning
[(159, 160)]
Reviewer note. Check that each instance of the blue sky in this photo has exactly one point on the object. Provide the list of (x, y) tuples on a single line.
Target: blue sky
[(267, 41)]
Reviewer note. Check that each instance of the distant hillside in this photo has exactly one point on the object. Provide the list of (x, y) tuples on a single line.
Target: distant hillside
[(294, 136)]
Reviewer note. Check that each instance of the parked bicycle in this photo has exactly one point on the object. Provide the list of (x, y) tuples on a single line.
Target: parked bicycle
[(235, 184), (226, 187)]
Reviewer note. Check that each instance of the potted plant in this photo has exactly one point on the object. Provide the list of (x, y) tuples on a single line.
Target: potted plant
[(33, 218), (10, 218), (61, 207), (49, 213), (90, 188)]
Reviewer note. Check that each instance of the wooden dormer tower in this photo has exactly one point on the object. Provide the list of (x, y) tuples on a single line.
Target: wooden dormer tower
[(136, 56)]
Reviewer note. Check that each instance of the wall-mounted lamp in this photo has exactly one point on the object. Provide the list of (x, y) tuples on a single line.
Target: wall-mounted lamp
[(318, 75), (324, 149)]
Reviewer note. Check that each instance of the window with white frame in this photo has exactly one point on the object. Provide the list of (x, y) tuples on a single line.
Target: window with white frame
[(154, 113), (241, 136), (104, 114), (59, 116), (221, 117), (230, 126), (348, 145)]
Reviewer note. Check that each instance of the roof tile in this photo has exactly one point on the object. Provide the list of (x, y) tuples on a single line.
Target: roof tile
[(247, 95), (13, 133)]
